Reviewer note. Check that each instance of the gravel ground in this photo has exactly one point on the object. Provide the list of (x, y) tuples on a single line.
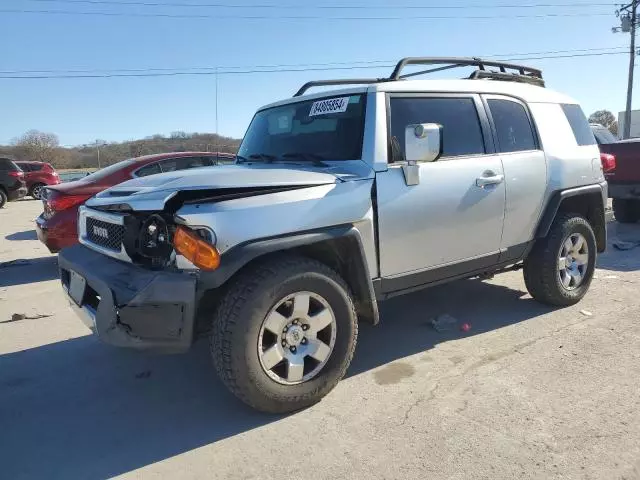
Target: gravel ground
[(527, 392)]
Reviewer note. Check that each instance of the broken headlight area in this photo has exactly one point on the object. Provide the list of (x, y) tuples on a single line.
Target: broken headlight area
[(148, 239)]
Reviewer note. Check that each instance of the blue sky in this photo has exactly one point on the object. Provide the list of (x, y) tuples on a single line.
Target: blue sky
[(116, 109)]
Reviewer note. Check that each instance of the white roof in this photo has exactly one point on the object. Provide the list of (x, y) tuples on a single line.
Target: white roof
[(523, 91)]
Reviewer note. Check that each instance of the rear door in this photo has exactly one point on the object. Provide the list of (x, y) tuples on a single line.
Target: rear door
[(525, 170), (452, 220)]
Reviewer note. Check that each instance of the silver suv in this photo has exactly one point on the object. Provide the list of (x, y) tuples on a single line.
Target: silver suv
[(339, 200)]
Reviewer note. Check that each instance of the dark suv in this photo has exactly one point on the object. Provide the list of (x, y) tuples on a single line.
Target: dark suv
[(12, 185)]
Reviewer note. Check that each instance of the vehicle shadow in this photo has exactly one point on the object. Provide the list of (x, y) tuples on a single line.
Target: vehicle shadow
[(614, 259), (32, 270), (81, 409), (26, 235), (405, 325)]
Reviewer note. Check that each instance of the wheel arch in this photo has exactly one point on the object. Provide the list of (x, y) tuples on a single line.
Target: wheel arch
[(588, 201), (339, 247)]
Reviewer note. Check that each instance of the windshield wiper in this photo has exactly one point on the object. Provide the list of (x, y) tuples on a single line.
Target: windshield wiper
[(262, 156), (256, 156), (314, 158)]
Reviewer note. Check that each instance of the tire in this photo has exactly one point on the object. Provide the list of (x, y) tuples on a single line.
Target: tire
[(542, 268), (3, 198), (36, 191), (239, 333), (625, 210)]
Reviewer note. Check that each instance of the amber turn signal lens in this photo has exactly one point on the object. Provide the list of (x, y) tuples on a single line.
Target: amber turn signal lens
[(196, 250)]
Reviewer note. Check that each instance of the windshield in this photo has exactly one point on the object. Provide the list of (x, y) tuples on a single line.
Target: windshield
[(322, 129), (106, 171), (603, 135)]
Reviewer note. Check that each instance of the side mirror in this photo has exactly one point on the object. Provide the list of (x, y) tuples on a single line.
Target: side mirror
[(423, 143)]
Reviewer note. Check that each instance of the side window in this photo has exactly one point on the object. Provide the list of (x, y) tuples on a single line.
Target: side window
[(462, 134), (25, 167), (150, 169), (579, 124), (515, 133)]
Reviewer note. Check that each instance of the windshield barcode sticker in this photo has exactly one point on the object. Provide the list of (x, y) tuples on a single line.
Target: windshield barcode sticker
[(333, 105)]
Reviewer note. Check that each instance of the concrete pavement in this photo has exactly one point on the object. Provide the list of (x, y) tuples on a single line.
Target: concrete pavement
[(528, 392)]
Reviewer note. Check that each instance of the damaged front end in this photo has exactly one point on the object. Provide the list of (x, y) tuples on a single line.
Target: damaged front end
[(129, 306), (152, 250)]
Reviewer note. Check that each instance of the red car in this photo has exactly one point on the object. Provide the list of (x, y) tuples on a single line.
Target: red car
[(38, 175), (57, 225)]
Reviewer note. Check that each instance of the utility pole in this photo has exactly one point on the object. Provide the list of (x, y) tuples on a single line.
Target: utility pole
[(628, 21), (99, 144), (216, 139)]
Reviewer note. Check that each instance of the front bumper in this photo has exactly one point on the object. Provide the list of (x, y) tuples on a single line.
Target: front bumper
[(129, 306)]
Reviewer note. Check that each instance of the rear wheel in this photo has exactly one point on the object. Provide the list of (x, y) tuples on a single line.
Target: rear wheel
[(559, 269), (626, 210), (284, 334), (3, 198), (36, 191)]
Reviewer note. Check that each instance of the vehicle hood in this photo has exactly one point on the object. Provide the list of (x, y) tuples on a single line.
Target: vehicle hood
[(152, 192)]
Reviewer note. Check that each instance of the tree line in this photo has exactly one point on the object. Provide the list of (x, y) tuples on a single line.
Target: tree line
[(40, 146)]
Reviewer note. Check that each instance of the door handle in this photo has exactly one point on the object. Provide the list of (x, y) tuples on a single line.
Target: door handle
[(489, 180)]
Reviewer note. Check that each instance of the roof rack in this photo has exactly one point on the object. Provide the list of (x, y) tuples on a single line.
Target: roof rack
[(519, 73)]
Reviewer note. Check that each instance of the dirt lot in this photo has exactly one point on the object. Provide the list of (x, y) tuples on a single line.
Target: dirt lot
[(528, 392)]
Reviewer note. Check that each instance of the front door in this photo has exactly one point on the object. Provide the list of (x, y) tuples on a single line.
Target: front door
[(454, 217)]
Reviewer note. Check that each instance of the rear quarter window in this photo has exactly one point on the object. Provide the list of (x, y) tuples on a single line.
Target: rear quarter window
[(579, 124)]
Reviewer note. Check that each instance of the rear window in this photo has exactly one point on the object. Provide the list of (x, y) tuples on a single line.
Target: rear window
[(7, 164), (105, 172), (579, 124), (30, 167)]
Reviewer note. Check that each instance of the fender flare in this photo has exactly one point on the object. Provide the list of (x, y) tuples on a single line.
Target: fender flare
[(359, 278), (552, 207)]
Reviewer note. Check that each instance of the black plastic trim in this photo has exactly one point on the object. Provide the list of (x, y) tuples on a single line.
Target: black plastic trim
[(241, 255), (553, 205), (389, 287)]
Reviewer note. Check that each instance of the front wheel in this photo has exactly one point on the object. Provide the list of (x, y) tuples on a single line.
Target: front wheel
[(284, 334), (559, 269)]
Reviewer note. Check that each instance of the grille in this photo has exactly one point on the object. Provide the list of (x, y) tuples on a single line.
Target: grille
[(104, 234)]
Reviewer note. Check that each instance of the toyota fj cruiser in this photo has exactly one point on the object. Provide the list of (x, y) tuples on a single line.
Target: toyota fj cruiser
[(339, 200)]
